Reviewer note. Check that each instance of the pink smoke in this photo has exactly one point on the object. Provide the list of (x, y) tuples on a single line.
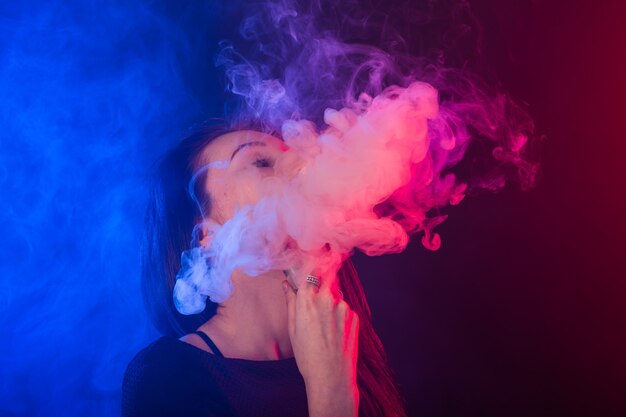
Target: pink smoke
[(395, 136)]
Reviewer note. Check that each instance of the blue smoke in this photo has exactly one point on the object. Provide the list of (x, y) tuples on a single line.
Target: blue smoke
[(92, 93)]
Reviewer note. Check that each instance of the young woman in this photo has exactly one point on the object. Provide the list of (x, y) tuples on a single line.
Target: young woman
[(277, 347)]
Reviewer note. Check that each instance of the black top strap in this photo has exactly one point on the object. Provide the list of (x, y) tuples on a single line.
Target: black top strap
[(209, 342)]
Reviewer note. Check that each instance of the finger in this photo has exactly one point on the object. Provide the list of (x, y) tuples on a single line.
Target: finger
[(290, 297), (329, 283), (337, 293), (329, 288), (309, 287), (354, 335), (354, 329)]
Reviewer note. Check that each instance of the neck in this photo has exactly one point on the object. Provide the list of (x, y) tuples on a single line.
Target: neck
[(252, 323)]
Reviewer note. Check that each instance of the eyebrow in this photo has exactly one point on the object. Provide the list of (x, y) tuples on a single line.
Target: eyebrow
[(243, 145)]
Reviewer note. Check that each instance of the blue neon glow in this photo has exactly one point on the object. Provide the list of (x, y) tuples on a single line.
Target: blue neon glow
[(91, 93)]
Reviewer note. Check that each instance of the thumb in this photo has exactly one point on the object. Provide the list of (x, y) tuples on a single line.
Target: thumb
[(290, 297)]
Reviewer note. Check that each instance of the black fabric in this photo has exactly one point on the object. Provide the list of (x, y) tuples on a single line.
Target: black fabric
[(173, 378), (209, 342)]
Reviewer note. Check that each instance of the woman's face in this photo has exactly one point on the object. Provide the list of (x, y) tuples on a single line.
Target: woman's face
[(239, 161)]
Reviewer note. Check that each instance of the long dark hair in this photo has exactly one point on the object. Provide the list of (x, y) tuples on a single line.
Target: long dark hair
[(170, 218)]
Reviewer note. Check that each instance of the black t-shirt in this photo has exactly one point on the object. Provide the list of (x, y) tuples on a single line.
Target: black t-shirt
[(173, 378)]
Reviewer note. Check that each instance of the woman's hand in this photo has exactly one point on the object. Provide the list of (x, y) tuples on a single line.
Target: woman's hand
[(324, 338)]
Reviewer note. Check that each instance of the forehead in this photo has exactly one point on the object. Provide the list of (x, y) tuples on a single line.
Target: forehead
[(222, 147)]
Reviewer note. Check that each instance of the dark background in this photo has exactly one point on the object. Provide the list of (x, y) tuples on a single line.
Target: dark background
[(522, 312)]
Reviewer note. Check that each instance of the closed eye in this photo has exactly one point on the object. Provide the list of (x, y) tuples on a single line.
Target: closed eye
[(263, 162)]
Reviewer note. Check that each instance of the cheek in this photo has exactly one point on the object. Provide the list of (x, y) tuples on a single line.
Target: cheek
[(245, 191), (230, 194), (218, 193)]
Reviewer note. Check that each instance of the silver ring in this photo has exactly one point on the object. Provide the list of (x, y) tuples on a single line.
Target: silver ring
[(312, 279), (340, 293)]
